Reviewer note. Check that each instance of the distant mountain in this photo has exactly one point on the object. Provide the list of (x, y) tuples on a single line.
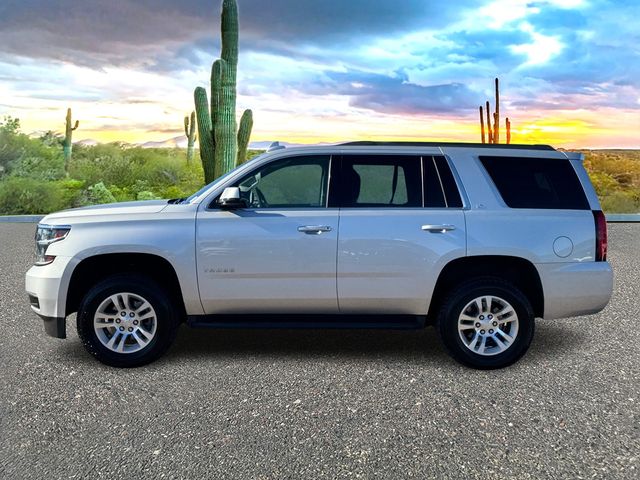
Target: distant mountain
[(87, 142), (175, 142)]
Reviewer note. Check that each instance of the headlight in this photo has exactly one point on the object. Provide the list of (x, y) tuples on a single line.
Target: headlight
[(45, 236)]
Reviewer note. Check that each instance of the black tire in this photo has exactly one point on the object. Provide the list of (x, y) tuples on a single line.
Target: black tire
[(459, 298), (167, 319)]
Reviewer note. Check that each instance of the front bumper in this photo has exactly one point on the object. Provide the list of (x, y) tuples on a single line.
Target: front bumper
[(47, 288), (574, 289)]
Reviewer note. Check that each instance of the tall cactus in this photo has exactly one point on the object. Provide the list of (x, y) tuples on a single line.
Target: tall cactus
[(68, 142), (493, 121), (190, 132), (222, 145)]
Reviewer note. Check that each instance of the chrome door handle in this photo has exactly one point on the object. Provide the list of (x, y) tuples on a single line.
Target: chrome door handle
[(314, 229), (438, 228)]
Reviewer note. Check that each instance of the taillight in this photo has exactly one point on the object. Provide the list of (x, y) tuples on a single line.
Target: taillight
[(601, 235)]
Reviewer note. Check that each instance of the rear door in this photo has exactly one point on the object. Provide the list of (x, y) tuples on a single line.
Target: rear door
[(401, 221)]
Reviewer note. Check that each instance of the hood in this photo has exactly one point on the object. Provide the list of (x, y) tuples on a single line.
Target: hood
[(124, 208)]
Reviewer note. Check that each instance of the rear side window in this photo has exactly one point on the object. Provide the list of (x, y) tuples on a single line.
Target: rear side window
[(381, 181), (548, 183)]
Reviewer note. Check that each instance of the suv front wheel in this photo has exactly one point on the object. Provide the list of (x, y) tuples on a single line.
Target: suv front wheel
[(486, 323), (127, 321)]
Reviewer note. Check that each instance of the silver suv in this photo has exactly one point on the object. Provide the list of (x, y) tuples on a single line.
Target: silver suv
[(478, 240)]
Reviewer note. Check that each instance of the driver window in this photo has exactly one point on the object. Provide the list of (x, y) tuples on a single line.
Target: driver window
[(297, 182)]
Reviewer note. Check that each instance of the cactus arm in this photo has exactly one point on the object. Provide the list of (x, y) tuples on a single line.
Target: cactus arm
[(508, 122), (481, 125), (244, 133), (76, 126), (186, 126), (207, 146), (192, 130)]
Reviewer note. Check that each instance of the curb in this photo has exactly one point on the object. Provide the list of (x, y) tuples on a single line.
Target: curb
[(20, 218), (623, 218)]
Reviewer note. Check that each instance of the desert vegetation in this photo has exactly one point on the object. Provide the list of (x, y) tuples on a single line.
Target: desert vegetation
[(33, 177)]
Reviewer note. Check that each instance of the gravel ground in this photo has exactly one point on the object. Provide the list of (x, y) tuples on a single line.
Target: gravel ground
[(322, 404)]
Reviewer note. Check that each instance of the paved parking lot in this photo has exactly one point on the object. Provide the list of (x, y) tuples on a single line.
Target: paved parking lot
[(322, 404)]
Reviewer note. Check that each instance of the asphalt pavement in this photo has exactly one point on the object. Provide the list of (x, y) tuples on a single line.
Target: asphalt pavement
[(275, 404)]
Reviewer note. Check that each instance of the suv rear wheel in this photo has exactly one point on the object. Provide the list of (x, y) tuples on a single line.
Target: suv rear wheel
[(127, 321), (486, 323)]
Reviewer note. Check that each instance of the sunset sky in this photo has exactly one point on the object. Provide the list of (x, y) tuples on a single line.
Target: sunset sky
[(330, 70)]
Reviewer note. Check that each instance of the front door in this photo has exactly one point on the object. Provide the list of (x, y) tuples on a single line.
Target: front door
[(278, 255), (398, 228)]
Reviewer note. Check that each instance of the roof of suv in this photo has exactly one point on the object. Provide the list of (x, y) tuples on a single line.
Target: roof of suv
[(367, 143)]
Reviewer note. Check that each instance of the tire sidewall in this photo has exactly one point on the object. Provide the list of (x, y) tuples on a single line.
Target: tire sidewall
[(448, 324), (139, 285)]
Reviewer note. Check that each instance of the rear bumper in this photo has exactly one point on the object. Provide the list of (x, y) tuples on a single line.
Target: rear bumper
[(574, 289)]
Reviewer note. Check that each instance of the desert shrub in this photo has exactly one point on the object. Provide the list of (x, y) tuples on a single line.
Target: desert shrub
[(145, 195), (98, 194), (20, 196), (621, 202)]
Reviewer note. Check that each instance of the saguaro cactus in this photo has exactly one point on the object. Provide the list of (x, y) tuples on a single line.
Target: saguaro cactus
[(190, 132), (493, 121), (68, 142), (221, 146)]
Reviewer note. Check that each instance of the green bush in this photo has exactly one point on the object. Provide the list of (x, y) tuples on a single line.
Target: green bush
[(98, 194), (21, 196)]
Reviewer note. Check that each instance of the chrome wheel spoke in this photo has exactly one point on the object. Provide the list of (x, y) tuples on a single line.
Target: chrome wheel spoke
[(141, 341), (483, 345), (505, 336), (501, 345)]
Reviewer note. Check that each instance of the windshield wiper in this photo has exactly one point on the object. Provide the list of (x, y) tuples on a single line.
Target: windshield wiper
[(175, 201)]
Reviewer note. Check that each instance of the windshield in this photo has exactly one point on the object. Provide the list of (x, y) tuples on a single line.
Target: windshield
[(217, 180)]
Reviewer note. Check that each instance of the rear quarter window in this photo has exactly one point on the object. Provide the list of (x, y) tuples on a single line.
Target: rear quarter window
[(527, 182)]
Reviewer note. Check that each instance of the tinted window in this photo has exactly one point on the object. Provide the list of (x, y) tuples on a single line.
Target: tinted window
[(536, 182), (381, 181), (449, 186), (297, 182), (433, 194)]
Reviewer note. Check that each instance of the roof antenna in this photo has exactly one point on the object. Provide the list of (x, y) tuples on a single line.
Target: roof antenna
[(275, 146)]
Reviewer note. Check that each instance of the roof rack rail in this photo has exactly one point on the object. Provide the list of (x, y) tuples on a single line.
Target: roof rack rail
[(512, 146)]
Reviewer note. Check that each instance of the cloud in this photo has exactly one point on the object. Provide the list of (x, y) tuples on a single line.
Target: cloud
[(394, 94), (126, 32)]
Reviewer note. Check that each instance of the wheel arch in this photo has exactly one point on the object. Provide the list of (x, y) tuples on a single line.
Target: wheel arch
[(92, 269), (517, 270)]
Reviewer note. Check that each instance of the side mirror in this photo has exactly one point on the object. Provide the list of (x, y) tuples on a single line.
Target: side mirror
[(230, 199)]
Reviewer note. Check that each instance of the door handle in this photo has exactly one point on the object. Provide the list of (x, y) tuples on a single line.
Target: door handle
[(438, 228), (314, 229)]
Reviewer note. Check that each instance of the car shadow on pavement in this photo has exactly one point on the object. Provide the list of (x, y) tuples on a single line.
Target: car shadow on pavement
[(312, 343), (552, 339)]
